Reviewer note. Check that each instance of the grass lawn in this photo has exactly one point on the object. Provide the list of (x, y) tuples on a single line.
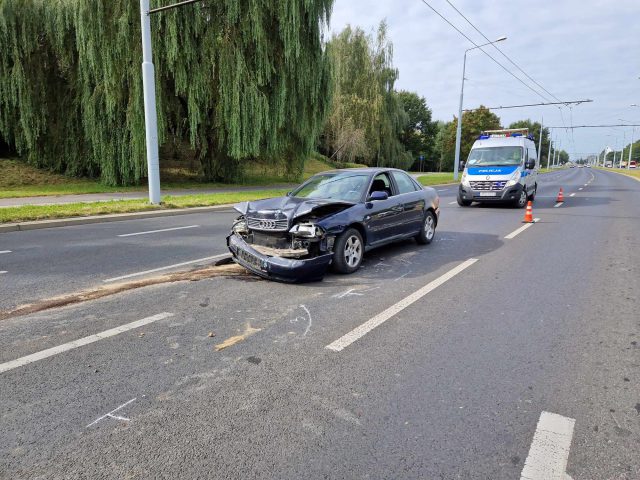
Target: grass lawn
[(437, 178), (41, 212), (635, 173), (18, 179)]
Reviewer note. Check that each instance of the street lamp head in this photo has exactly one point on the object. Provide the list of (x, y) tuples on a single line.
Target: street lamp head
[(500, 39)]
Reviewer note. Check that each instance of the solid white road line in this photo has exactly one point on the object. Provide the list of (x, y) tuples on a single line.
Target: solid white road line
[(452, 203), (521, 229), (159, 269), (572, 194), (549, 452), (5, 251), (80, 342), (157, 231), (393, 310), (3, 271)]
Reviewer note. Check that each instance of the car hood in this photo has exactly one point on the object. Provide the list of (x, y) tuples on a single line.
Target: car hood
[(286, 207)]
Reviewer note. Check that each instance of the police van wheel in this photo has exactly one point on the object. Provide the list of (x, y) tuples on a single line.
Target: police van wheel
[(522, 200), (463, 203)]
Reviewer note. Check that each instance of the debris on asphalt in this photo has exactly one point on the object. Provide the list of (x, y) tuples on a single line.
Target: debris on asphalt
[(211, 334), (237, 338), (212, 271)]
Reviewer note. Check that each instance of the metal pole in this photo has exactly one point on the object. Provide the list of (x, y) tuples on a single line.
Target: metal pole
[(150, 115), (456, 161), (549, 154), (630, 149), (540, 143)]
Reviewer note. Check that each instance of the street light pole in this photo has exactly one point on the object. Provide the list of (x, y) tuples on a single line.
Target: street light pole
[(540, 143), (631, 148), (150, 114), (549, 153), (456, 162)]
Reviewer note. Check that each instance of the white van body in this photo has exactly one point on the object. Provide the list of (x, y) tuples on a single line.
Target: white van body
[(502, 167)]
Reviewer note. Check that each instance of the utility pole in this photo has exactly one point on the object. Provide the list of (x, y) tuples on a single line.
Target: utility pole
[(150, 114), (540, 143), (549, 153), (630, 148)]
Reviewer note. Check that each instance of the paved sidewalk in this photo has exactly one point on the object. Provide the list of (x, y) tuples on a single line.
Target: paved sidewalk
[(107, 197)]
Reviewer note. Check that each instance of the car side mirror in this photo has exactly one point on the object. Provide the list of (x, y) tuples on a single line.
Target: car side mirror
[(378, 195), (530, 164)]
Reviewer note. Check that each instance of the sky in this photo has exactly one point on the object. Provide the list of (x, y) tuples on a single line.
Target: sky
[(576, 50)]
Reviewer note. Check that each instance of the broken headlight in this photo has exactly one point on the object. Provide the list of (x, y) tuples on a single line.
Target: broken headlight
[(306, 230), (240, 226)]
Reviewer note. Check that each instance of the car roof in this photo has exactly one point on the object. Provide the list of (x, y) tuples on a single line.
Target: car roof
[(367, 170)]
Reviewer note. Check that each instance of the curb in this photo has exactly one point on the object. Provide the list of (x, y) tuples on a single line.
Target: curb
[(117, 217)]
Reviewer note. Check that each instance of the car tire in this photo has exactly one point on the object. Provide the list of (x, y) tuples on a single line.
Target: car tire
[(463, 203), (348, 251), (521, 202), (428, 230)]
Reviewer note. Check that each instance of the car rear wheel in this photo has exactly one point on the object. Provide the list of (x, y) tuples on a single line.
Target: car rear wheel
[(428, 229), (348, 251)]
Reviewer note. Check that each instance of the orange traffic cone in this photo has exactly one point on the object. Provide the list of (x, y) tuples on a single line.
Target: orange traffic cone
[(528, 215), (560, 196)]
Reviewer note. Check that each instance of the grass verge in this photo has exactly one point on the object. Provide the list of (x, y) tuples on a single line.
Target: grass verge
[(19, 180), (436, 179), (629, 173), (42, 212)]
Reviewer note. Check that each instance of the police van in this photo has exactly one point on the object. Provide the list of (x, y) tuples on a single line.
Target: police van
[(502, 167)]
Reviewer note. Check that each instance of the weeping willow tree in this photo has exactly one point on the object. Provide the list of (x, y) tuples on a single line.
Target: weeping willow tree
[(237, 80), (366, 117)]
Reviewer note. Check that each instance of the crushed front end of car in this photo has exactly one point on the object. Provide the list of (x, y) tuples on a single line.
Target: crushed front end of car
[(287, 243)]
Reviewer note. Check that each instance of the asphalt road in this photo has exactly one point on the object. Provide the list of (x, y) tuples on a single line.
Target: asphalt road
[(441, 363)]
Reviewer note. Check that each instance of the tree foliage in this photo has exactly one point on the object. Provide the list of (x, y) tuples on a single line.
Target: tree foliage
[(473, 123), (534, 129), (419, 135), (237, 80), (366, 116)]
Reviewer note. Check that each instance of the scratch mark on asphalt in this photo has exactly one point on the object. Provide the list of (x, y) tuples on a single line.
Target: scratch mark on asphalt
[(111, 414), (350, 292), (310, 321)]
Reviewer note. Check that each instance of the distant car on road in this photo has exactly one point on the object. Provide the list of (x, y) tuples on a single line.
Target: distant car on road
[(632, 164), (572, 166), (331, 219)]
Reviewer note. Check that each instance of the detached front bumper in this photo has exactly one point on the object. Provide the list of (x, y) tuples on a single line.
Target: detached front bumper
[(290, 270), (509, 194)]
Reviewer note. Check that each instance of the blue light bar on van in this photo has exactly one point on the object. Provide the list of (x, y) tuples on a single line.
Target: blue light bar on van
[(516, 134), (483, 137)]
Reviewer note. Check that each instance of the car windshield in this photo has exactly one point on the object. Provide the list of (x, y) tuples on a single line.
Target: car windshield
[(495, 156), (348, 187)]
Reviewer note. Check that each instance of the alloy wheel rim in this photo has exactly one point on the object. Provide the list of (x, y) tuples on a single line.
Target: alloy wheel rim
[(429, 229), (353, 251), (523, 197)]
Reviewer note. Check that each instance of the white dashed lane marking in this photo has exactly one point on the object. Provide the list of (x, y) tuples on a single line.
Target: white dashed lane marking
[(158, 231), (521, 229), (50, 352), (549, 452), (168, 267), (366, 327)]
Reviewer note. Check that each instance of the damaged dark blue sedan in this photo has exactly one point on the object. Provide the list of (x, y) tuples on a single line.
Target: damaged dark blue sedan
[(332, 219)]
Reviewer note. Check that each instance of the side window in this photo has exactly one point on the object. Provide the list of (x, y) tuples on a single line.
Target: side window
[(381, 184), (404, 183), (532, 154)]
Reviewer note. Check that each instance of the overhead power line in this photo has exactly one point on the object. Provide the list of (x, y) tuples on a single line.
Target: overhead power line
[(568, 102), (502, 53), (483, 51), (598, 126)]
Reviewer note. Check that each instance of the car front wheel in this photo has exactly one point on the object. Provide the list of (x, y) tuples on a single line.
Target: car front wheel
[(428, 229), (348, 251)]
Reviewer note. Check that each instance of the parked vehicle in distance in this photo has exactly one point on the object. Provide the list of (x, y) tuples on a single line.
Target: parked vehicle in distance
[(632, 164), (608, 165), (331, 219), (502, 167)]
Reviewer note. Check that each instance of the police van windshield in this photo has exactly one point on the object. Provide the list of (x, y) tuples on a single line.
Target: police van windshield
[(495, 156)]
